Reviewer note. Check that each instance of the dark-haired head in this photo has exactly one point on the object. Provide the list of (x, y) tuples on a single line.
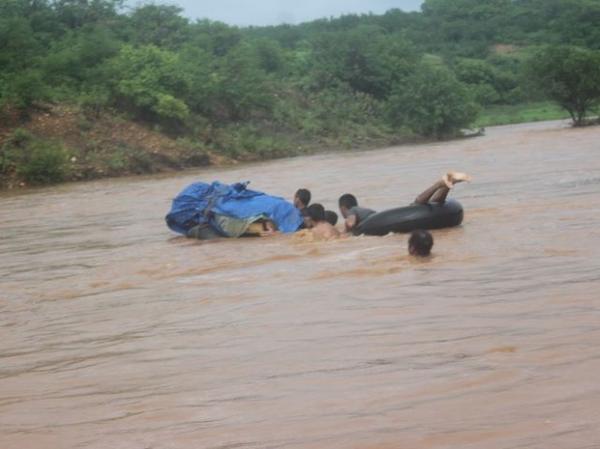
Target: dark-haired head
[(302, 198), (316, 213), (420, 243), (346, 202), (331, 217)]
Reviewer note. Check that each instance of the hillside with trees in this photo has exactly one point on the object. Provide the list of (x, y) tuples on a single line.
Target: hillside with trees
[(91, 89)]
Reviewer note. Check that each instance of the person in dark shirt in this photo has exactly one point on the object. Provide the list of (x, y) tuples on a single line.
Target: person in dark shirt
[(437, 193), (352, 212)]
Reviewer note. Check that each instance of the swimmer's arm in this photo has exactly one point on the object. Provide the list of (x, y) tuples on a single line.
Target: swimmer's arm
[(350, 222), (333, 233), (268, 233), (261, 229)]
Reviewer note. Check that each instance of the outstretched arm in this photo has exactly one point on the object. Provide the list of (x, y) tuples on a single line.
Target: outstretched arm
[(350, 222)]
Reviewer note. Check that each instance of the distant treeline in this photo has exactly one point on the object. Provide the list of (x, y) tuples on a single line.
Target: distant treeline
[(421, 73)]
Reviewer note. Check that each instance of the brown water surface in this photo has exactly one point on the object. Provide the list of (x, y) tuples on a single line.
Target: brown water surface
[(114, 333)]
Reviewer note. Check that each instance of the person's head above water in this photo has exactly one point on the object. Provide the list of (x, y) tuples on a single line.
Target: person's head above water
[(331, 217), (316, 222), (420, 243), (316, 213), (302, 198), (346, 202)]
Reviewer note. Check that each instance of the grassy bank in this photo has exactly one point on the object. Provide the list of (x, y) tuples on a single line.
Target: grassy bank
[(520, 113), (61, 143)]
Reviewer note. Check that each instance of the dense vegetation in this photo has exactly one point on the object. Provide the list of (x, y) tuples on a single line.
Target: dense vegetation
[(250, 93)]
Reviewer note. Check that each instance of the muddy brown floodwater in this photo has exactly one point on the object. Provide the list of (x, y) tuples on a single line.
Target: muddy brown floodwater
[(114, 333)]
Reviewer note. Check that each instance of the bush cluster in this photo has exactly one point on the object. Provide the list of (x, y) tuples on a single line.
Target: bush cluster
[(33, 160)]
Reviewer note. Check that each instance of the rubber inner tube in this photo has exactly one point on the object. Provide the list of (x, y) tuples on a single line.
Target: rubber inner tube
[(409, 218)]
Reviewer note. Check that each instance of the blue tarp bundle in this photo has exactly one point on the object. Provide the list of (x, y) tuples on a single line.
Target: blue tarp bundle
[(199, 202)]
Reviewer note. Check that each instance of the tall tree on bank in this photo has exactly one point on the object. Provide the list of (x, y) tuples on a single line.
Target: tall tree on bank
[(432, 102), (570, 76)]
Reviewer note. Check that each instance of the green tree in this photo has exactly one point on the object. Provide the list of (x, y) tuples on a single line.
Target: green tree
[(23, 90), (570, 76), (18, 49), (555, 22), (72, 59), (77, 13), (149, 82), (269, 54), (431, 102), (159, 25), (489, 83), (471, 24), (199, 66), (367, 58), (215, 37), (242, 89)]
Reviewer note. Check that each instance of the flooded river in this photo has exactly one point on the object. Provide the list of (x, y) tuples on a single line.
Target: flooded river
[(115, 333)]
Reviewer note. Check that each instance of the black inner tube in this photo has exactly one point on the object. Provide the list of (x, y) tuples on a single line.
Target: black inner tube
[(409, 218)]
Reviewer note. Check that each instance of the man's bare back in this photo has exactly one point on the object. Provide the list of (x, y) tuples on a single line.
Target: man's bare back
[(324, 230)]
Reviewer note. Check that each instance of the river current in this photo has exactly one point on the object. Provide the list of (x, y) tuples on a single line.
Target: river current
[(115, 333)]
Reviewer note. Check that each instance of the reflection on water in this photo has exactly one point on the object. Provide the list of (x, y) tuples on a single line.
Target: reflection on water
[(115, 333)]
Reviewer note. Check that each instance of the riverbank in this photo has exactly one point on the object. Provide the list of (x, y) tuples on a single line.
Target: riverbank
[(61, 143), (520, 113)]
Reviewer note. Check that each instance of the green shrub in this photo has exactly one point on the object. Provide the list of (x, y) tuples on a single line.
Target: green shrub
[(249, 142), (21, 137), (26, 88), (141, 162), (44, 163), (432, 102), (13, 149), (93, 102), (193, 152), (150, 81), (33, 160), (117, 161), (331, 112), (569, 76), (170, 107)]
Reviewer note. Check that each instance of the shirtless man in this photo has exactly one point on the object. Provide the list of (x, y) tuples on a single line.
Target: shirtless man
[(437, 193), (317, 224)]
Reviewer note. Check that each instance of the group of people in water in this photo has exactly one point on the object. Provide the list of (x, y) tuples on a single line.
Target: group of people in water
[(321, 222)]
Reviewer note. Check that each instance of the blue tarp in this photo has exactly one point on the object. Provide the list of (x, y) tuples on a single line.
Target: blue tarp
[(199, 202)]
